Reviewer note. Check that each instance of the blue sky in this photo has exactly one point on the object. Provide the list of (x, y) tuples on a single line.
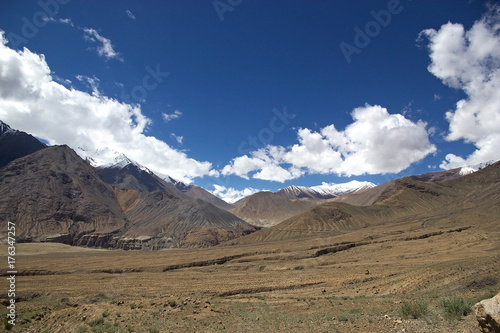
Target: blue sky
[(258, 94)]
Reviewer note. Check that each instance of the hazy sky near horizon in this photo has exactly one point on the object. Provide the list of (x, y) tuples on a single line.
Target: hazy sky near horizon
[(238, 95)]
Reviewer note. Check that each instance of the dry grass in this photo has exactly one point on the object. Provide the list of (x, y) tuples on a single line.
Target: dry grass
[(266, 287)]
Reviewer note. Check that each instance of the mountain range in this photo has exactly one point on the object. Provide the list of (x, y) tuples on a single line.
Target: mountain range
[(104, 199), (472, 200)]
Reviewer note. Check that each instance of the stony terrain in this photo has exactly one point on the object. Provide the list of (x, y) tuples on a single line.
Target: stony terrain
[(343, 283)]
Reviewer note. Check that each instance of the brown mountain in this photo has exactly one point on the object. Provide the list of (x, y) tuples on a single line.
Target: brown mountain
[(471, 200), (53, 194), (161, 220), (130, 176), (266, 209), (196, 192)]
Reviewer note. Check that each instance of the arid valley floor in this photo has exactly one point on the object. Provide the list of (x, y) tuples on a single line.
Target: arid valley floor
[(354, 282)]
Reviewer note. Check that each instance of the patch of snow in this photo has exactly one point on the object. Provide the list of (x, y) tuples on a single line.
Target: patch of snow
[(468, 169), (340, 189), (4, 128), (107, 158)]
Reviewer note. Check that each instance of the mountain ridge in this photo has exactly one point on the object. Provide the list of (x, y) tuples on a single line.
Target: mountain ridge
[(54, 195), (16, 144), (325, 190), (473, 199)]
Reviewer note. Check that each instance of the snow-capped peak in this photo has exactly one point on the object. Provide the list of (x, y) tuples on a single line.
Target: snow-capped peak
[(325, 190), (105, 158), (4, 128), (340, 189), (468, 169), (108, 158)]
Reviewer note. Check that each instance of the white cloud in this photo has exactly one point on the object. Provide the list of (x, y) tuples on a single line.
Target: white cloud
[(266, 161), (106, 48), (66, 21), (92, 82), (231, 195), (470, 61), (167, 117), (177, 138), (32, 101), (375, 143), (130, 14)]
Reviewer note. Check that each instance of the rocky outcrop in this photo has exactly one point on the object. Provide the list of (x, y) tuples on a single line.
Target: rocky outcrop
[(488, 314)]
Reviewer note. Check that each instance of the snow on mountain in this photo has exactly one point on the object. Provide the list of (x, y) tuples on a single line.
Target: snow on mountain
[(101, 157), (4, 129), (108, 158), (341, 189), (325, 190), (105, 158), (468, 169)]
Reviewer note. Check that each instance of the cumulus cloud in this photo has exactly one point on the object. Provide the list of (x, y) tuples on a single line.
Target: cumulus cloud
[(105, 48), (171, 116), (231, 195), (31, 100), (470, 61), (266, 161), (376, 142)]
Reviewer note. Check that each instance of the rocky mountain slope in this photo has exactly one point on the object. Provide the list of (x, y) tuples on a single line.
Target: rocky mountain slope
[(197, 192), (125, 174), (122, 172), (325, 190), (472, 200), (15, 144), (161, 220), (54, 195), (265, 209)]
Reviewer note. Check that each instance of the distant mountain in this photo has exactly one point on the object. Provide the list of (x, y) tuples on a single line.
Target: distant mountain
[(161, 220), (450, 174), (325, 190), (471, 200), (265, 209), (15, 144), (197, 192)]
